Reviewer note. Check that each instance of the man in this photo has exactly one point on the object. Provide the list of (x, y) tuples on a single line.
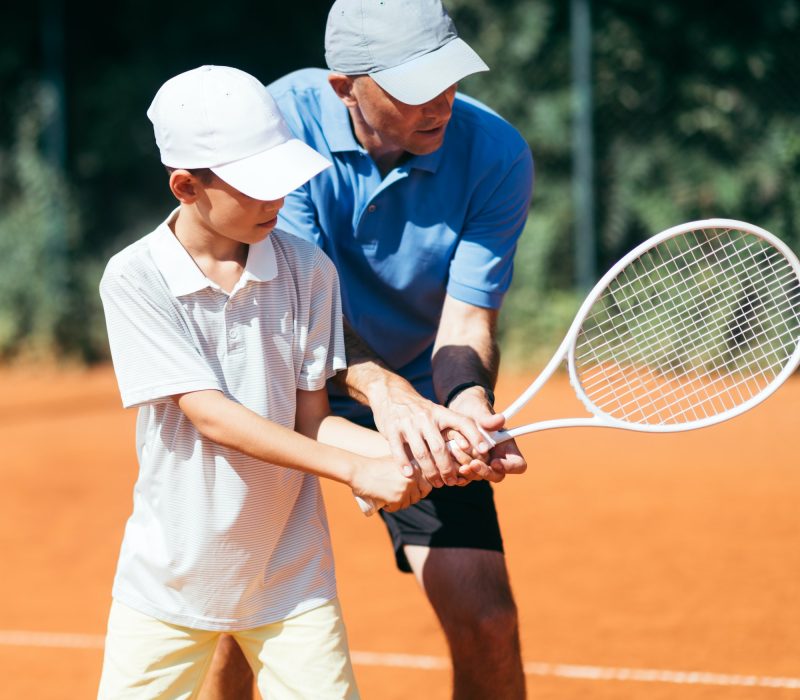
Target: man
[(421, 213)]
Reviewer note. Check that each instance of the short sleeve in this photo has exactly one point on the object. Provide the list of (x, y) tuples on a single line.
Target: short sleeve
[(481, 269), (152, 349), (324, 348)]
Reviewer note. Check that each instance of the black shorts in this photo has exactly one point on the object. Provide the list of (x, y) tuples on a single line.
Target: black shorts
[(451, 516)]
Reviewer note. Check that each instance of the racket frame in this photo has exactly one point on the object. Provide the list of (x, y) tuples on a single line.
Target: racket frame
[(567, 348)]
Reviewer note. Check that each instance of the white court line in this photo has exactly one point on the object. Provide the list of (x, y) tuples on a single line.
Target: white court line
[(61, 640)]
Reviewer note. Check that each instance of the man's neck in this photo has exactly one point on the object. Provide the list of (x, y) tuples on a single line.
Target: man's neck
[(386, 155)]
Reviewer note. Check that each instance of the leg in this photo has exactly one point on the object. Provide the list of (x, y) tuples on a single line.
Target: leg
[(304, 656), (470, 592), (230, 676), (147, 659)]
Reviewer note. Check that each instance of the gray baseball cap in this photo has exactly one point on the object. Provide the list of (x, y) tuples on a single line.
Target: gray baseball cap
[(409, 47)]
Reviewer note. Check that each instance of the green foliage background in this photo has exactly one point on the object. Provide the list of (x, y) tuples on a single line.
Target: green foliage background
[(696, 113)]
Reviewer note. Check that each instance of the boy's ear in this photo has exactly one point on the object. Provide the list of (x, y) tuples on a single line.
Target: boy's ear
[(343, 87), (184, 186)]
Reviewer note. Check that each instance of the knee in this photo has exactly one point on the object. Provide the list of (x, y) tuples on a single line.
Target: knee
[(497, 624), (492, 625)]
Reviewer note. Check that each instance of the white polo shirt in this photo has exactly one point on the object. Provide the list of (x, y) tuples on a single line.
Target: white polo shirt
[(218, 540)]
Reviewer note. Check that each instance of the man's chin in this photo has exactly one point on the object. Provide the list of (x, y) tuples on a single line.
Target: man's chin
[(425, 148)]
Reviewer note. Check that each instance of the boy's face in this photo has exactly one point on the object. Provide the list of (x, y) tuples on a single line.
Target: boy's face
[(227, 212), (416, 129)]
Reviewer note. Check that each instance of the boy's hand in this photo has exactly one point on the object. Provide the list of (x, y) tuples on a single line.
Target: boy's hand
[(389, 483)]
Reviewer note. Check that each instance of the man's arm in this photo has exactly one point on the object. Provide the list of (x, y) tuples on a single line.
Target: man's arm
[(228, 423), (409, 422), (466, 351)]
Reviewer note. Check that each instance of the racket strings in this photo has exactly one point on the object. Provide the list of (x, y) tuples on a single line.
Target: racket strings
[(708, 396), (695, 327), (663, 328), (697, 339), (669, 307), (701, 389)]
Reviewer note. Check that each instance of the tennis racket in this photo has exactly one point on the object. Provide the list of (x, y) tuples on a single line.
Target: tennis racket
[(696, 325)]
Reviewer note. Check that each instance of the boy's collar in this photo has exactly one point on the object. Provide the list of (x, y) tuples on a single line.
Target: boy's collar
[(182, 274)]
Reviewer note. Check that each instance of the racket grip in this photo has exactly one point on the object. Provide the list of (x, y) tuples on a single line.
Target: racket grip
[(367, 505), (491, 438)]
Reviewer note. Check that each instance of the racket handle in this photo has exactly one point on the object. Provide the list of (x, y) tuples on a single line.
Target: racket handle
[(367, 505), (491, 438)]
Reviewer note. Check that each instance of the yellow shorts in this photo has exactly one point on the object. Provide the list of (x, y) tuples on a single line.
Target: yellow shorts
[(305, 656)]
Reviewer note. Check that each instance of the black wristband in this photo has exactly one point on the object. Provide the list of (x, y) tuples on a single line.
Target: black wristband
[(456, 390)]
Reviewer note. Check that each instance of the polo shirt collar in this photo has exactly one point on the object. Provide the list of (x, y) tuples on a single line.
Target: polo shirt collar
[(261, 264), (429, 162), (336, 122), (181, 272)]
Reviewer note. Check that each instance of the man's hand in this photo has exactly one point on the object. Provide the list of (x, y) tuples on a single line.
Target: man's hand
[(504, 458), (414, 427)]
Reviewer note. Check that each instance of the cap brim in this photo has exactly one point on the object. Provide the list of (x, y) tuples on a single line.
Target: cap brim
[(423, 78), (273, 173)]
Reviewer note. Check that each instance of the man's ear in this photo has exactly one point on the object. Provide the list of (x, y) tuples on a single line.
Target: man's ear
[(184, 186), (343, 87)]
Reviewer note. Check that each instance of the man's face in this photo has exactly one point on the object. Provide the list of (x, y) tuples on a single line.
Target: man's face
[(416, 129)]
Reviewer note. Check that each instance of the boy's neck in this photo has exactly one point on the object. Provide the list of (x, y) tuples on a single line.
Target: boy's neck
[(219, 258)]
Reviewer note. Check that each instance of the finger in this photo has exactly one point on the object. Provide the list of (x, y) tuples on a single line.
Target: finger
[(442, 456), (495, 476), (397, 446), (512, 464), (460, 455), (440, 451), (420, 453), (509, 459), (422, 483), (492, 421), (467, 427), (453, 436), (466, 475), (477, 469)]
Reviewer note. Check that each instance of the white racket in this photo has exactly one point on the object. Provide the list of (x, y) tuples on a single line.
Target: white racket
[(696, 325)]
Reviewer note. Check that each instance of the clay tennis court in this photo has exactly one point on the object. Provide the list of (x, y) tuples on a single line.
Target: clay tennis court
[(644, 566)]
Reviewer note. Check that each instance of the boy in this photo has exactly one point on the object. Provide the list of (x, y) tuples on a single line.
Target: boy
[(223, 332)]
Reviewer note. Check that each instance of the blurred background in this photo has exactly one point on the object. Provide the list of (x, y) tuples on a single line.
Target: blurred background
[(639, 115)]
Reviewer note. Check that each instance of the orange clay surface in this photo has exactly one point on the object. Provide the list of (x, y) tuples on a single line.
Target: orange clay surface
[(626, 551)]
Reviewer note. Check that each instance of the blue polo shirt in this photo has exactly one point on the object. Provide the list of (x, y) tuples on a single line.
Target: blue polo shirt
[(443, 223)]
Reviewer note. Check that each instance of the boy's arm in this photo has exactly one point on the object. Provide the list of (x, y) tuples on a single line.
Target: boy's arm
[(313, 419), (227, 423)]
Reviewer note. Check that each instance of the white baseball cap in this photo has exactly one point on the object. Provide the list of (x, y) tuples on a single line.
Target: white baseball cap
[(224, 119), (409, 47)]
